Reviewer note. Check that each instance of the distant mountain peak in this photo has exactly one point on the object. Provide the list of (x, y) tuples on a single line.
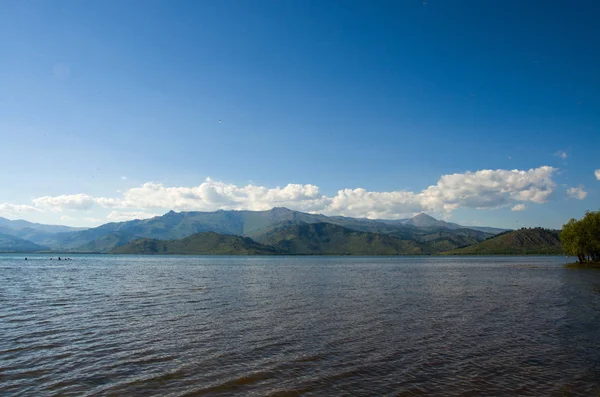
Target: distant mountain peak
[(423, 215), (424, 220), (280, 210)]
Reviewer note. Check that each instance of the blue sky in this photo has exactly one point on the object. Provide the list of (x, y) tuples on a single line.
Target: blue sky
[(110, 110)]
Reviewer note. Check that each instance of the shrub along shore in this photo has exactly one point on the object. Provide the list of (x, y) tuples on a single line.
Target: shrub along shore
[(581, 238)]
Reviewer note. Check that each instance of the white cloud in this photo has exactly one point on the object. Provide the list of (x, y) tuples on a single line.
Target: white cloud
[(519, 207), (481, 189), (364, 204), (123, 178), (118, 216), (65, 201), (8, 209), (597, 174), (73, 202), (489, 189), (107, 202), (576, 192), (211, 195), (484, 189), (562, 154)]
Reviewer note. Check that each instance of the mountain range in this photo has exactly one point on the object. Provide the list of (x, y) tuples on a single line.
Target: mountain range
[(9, 243), (278, 230), (34, 232), (203, 243)]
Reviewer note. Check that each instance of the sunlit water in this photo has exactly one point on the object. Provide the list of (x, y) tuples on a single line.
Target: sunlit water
[(287, 326)]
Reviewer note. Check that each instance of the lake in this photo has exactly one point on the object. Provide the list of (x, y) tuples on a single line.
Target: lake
[(295, 326)]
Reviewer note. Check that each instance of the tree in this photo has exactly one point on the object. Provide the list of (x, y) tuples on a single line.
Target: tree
[(581, 238)]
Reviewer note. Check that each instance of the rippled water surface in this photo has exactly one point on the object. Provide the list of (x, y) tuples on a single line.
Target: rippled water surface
[(291, 326)]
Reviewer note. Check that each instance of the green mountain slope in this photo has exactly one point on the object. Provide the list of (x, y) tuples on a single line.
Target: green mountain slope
[(173, 225), (329, 239), (205, 243), (10, 243), (105, 243), (536, 241), (292, 237), (425, 221), (434, 241), (177, 225)]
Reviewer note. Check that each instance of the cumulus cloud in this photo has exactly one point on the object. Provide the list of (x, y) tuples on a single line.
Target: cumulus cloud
[(519, 207), (481, 189), (597, 174), (489, 189), (484, 189), (362, 203), (14, 209), (212, 195), (576, 192), (562, 154), (73, 202), (105, 202), (65, 201)]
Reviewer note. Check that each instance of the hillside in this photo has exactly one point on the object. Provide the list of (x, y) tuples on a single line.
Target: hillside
[(34, 232), (287, 239), (253, 224), (105, 243), (330, 239), (299, 238), (25, 225), (178, 225), (439, 240), (206, 243), (286, 230), (10, 243), (536, 241), (424, 221)]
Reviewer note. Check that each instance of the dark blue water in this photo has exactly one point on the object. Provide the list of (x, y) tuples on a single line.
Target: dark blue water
[(291, 326)]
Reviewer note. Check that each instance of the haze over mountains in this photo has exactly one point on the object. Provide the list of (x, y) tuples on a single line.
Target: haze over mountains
[(284, 230), (32, 231), (10, 243)]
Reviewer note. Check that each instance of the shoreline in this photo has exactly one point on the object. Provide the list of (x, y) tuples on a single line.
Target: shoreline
[(586, 265), (277, 254)]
